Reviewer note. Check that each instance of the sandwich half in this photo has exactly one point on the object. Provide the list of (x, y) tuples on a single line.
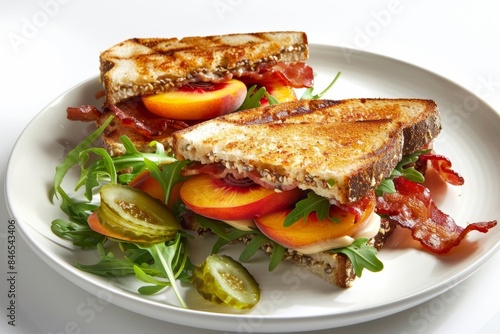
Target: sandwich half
[(340, 151), (145, 66), (156, 86)]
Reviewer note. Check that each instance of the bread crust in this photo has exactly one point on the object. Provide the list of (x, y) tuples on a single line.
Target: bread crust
[(335, 269), (141, 66)]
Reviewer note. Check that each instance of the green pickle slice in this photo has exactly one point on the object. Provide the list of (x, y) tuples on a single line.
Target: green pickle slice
[(135, 215), (223, 280)]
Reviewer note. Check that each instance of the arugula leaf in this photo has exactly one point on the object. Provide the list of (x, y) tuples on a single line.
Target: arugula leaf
[(232, 235), (129, 165), (216, 226), (405, 168), (135, 254), (308, 93), (149, 289), (271, 99), (227, 234), (385, 187), (304, 207), (252, 99), (77, 229), (103, 168), (78, 212), (170, 259), (168, 176), (73, 157), (81, 236), (276, 255), (258, 239), (253, 246), (361, 256), (110, 265)]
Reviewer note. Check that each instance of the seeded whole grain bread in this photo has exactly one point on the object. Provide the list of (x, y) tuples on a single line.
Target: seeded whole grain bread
[(338, 149), (141, 66), (335, 269)]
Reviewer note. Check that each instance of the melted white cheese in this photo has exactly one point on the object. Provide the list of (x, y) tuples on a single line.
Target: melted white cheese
[(369, 230), (243, 225)]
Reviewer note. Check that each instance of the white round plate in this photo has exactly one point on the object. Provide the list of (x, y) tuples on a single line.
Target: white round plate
[(292, 299)]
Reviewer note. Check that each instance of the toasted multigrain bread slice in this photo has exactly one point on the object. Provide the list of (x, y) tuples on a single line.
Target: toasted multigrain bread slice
[(338, 149), (142, 66), (335, 269)]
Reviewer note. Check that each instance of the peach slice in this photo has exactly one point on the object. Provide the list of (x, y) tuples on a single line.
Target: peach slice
[(198, 101), (278, 89), (312, 235), (213, 198)]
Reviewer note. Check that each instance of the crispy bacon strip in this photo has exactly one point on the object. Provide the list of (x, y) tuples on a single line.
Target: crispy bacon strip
[(443, 166), (134, 114), (85, 113), (297, 75), (412, 207), (216, 170), (359, 207)]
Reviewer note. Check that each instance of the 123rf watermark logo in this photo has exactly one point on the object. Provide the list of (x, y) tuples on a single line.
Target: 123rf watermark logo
[(30, 25)]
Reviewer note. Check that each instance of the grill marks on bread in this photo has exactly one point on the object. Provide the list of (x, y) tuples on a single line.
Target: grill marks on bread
[(141, 66)]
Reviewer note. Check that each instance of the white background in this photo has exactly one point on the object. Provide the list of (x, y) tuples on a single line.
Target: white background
[(48, 46)]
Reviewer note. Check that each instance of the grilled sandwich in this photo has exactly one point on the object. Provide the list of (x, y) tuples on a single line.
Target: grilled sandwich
[(339, 151), (358, 155), (141, 77), (144, 66)]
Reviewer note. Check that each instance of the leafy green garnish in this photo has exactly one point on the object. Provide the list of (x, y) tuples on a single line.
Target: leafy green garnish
[(216, 226), (405, 168), (227, 235), (130, 164), (76, 229), (106, 167), (168, 175), (159, 264), (313, 203), (361, 256), (81, 235), (73, 157), (110, 265), (253, 97), (308, 93), (170, 259)]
